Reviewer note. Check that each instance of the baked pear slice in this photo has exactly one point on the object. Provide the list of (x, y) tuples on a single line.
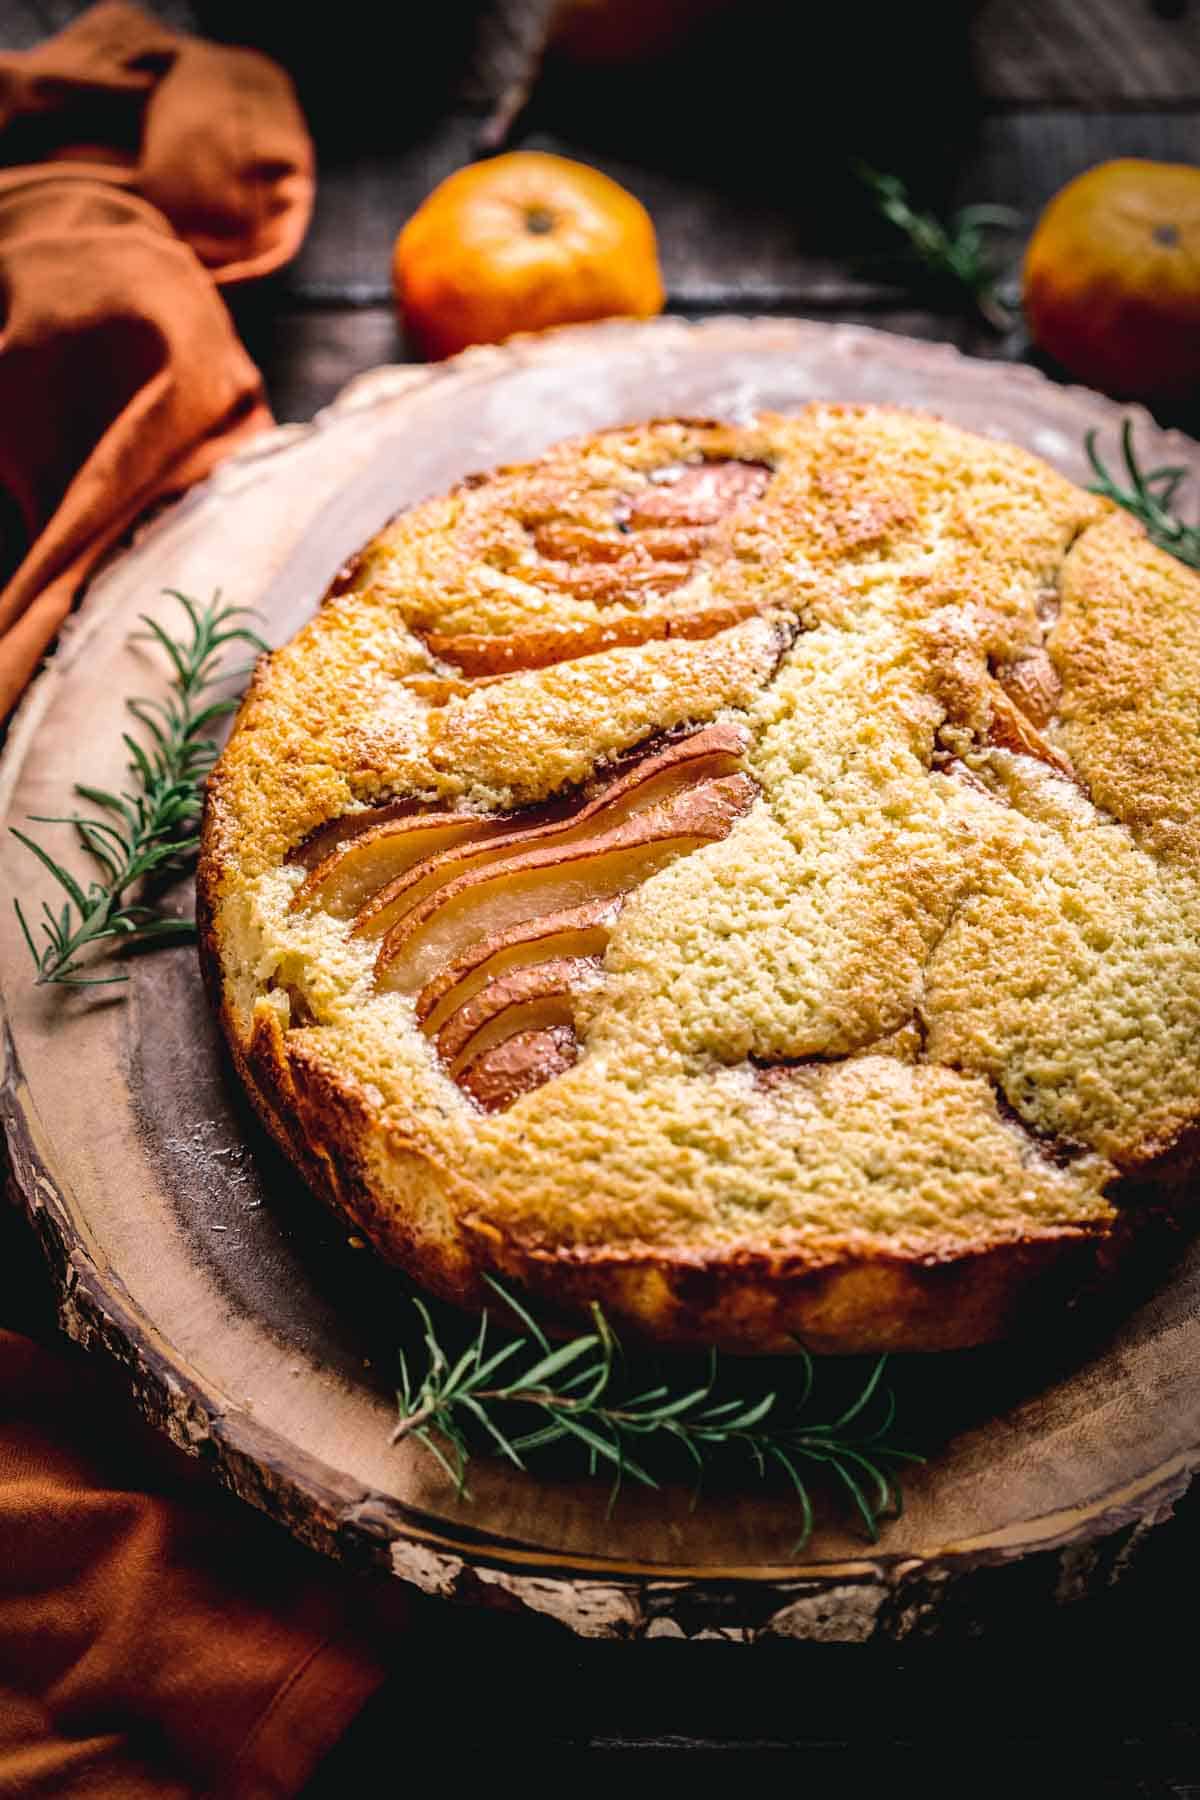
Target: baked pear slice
[(524, 999), (321, 843), (1032, 683), (654, 777), (661, 530), (505, 1071), (634, 577), (695, 494), (473, 654), (1010, 728), (484, 901), (578, 932), (346, 879)]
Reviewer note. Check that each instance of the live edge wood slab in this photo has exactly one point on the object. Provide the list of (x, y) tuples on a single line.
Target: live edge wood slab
[(261, 1340)]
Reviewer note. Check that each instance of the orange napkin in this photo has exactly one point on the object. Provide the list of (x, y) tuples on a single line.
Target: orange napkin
[(143, 166), (158, 1641), (156, 1638)]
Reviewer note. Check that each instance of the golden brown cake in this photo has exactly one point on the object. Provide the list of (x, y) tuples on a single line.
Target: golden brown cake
[(748, 876)]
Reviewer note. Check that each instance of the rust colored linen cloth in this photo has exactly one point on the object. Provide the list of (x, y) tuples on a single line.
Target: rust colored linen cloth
[(141, 168), (158, 1640)]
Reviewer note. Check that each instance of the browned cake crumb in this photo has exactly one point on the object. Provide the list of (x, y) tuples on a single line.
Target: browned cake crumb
[(749, 876)]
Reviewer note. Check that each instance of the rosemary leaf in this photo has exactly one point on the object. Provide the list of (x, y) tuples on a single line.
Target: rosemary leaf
[(1149, 497), (457, 1399), (151, 828), (956, 253)]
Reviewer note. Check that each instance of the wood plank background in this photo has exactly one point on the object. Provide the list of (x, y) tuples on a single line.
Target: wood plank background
[(741, 147)]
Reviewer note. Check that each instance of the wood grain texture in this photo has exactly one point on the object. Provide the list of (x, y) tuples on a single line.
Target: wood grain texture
[(1058, 51), (250, 1330), (1026, 51), (722, 245), (308, 355), (1002, 102), (818, 251)]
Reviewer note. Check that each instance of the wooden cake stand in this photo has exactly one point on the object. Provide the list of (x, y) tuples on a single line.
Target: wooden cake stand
[(260, 1340)]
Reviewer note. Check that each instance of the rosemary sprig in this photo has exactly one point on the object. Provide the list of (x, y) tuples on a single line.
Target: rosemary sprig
[(1150, 497), (575, 1393), (957, 252), (150, 828)]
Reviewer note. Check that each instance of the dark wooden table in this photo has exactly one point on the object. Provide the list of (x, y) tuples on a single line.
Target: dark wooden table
[(743, 150), (742, 147)]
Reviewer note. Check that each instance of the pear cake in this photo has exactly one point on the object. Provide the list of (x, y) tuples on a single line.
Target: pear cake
[(747, 876)]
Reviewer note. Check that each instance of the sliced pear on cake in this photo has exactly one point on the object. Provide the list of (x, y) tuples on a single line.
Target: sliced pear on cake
[(651, 778), (1010, 728), (695, 493), (355, 869), (524, 999), (659, 532), (553, 876), (1032, 683), (322, 842), (580, 931), (476, 655), (633, 577), (500, 1075)]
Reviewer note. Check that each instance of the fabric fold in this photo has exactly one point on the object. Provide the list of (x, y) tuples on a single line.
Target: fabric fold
[(121, 379), (156, 1637), (210, 134), (143, 167)]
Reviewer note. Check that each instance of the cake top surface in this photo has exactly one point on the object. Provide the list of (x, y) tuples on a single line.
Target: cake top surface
[(795, 824)]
